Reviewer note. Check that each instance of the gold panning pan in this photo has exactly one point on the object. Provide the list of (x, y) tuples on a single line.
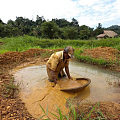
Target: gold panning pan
[(73, 85)]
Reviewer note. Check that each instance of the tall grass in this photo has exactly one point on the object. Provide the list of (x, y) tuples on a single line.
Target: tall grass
[(23, 43)]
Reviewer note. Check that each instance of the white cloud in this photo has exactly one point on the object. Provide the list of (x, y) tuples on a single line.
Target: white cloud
[(87, 12), (100, 11), (57, 9), (117, 7), (87, 2), (48, 8)]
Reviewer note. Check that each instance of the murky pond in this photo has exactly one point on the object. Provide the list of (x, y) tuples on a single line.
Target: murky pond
[(105, 84), (37, 91)]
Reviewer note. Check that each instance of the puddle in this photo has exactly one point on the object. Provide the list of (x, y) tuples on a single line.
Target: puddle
[(36, 91), (105, 84)]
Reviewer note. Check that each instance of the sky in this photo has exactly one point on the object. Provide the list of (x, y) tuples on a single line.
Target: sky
[(86, 12)]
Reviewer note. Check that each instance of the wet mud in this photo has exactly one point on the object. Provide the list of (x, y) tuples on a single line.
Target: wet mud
[(37, 91), (74, 85), (15, 108)]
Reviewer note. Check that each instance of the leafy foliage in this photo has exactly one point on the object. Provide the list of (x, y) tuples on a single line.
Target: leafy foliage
[(50, 30), (56, 28)]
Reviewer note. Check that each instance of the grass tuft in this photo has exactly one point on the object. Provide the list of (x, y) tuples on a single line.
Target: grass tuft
[(73, 115), (10, 89)]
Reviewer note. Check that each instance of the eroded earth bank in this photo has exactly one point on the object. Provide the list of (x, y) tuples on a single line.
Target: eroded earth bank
[(12, 107)]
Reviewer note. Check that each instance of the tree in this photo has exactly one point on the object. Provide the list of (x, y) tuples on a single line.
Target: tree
[(40, 20), (98, 30), (11, 23), (2, 27), (74, 23), (85, 32), (99, 26), (37, 31), (61, 22), (69, 33), (50, 30), (1, 22), (25, 25)]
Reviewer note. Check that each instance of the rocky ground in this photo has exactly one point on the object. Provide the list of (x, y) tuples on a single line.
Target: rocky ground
[(12, 108)]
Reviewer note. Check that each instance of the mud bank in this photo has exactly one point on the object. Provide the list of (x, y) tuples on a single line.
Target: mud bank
[(15, 108)]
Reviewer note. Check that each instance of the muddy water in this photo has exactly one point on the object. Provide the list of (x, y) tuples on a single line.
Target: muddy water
[(105, 84), (36, 91)]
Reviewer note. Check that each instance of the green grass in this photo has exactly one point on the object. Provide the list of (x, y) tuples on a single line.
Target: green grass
[(88, 59), (77, 113), (23, 43)]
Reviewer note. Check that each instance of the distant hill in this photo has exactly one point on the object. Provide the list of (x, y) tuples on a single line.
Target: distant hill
[(115, 28)]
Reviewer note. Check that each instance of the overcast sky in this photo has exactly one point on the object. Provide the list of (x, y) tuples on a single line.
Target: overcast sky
[(87, 12)]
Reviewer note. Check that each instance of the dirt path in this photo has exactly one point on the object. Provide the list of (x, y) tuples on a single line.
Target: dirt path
[(12, 108)]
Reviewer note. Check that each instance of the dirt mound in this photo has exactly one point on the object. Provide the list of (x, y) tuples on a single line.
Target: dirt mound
[(10, 57), (19, 57), (106, 53)]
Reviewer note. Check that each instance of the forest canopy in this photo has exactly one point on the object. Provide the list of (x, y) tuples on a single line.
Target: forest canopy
[(56, 28)]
